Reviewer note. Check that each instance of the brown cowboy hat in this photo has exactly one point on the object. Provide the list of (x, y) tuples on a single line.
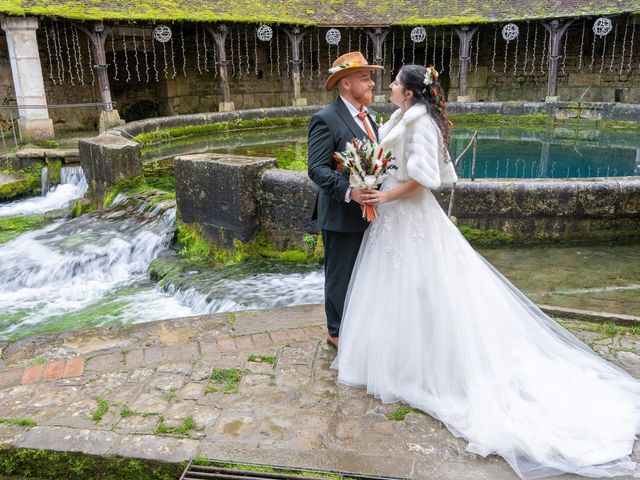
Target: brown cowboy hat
[(345, 65)]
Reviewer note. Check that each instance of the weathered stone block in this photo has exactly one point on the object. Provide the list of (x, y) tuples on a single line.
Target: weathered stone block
[(107, 159), (220, 192), (287, 203)]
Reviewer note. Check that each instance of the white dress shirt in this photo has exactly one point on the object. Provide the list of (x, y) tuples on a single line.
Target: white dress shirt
[(354, 113)]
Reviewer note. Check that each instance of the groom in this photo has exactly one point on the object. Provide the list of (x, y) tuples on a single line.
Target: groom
[(338, 205)]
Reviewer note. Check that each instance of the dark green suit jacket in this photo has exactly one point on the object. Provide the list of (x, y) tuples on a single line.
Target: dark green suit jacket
[(329, 131)]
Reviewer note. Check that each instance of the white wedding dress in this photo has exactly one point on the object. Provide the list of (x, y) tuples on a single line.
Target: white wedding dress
[(431, 323)]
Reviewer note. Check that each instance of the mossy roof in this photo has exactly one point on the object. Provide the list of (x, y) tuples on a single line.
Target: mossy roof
[(320, 12)]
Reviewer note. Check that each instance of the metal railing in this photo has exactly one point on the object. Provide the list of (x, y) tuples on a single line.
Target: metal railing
[(11, 108), (456, 165)]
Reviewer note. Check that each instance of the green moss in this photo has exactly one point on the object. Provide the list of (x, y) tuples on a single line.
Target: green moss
[(261, 468), (225, 380), (54, 166), (619, 124), (11, 227), (401, 412), (18, 422), (124, 186), (498, 119), (166, 135), (486, 238), (48, 144), (47, 465), (183, 428), (81, 206), (261, 359), (28, 182), (103, 407)]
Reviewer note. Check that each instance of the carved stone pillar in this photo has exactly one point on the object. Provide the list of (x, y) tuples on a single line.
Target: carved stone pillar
[(295, 36), (556, 29), (377, 36), (219, 35), (465, 34)]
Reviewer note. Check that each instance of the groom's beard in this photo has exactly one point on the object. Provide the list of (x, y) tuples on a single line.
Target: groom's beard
[(365, 99)]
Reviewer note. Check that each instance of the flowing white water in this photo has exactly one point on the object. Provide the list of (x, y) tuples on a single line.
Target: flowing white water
[(92, 269), (72, 186)]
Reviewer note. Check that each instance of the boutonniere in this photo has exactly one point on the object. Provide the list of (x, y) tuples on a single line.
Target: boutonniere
[(378, 120)]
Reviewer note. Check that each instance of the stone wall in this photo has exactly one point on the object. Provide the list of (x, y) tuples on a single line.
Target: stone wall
[(189, 89)]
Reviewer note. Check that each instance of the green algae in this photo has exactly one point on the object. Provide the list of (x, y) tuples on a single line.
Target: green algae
[(28, 182), (167, 135), (48, 465), (11, 227), (183, 428)]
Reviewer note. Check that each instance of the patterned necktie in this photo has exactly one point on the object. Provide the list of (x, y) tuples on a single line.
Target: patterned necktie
[(362, 116)]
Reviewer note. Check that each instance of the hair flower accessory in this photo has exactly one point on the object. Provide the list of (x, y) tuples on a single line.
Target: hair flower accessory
[(431, 75)]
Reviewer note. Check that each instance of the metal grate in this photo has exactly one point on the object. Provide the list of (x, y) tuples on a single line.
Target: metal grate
[(202, 472)]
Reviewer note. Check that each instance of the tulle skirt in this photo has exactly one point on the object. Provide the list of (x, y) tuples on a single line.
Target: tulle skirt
[(429, 322)]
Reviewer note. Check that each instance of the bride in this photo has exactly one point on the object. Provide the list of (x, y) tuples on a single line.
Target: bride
[(431, 323)]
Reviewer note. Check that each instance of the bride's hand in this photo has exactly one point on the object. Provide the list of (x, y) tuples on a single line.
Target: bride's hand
[(374, 197)]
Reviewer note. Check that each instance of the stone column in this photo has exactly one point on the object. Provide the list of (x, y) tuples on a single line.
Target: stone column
[(465, 34), (219, 35), (377, 36), (97, 33), (295, 36), (556, 30), (34, 123)]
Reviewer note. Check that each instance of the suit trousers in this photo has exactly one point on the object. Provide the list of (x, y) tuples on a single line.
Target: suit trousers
[(340, 253)]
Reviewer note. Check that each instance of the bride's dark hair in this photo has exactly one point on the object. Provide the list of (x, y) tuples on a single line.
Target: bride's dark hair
[(432, 96)]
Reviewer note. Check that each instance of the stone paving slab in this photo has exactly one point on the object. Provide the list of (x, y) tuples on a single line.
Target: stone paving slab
[(285, 410)]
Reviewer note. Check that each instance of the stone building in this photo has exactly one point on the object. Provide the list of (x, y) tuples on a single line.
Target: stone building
[(155, 59)]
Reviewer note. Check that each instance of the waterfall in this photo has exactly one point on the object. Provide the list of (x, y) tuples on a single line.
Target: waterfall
[(86, 269), (44, 181), (72, 186)]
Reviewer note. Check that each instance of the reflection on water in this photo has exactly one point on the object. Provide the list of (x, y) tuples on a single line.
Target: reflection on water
[(503, 152)]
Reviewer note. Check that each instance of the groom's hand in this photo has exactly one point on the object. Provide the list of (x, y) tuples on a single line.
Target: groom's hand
[(361, 195)]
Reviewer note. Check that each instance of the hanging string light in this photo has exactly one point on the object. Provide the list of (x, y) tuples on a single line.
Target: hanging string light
[(593, 52), (584, 23), (451, 53), (93, 77), (184, 55), (310, 56), (278, 50), (526, 49), (46, 34), (515, 59), (633, 34), (613, 49), (113, 51), (205, 51), (426, 46), (255, 56), (477, 50), (126, 56), (302, 58), (624, 43), (60, 62), (604, 52), (442, 52), (435, 45), (533, 54), (233, 65), (271, 57), (214, 51), (286, 44), (393, 51), (239, 43), (495, 40), (564, 53), (173, 59), (366, 46), (318, 50), (349, 41), (359, 40), (146, 56), (155, 57), (66, 42), (77, 54), (198, 52), (135, 53), (246, 49), (166, 63), (543, 58)]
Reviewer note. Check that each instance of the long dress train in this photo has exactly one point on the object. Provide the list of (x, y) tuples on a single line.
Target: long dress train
[(429, 322)]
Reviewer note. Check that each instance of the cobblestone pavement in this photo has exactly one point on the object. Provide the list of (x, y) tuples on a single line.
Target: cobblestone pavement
[(283, 409)]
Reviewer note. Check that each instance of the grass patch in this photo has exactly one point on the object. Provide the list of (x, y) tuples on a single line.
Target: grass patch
[(103, 407), (634, 331), (170, 395), (609, 328), (37, 361), (18, 422), (402, 411), (225, 380), (261, 359), (183, 428), (125, 411)]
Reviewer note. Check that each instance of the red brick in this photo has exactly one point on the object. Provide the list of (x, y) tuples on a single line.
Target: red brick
[(32, 374), (226, 344), (244, 342), (261, 339), (73, 368), (11, 378), (53, 371)]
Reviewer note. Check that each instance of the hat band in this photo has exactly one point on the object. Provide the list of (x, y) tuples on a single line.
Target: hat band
[(342, 66)]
